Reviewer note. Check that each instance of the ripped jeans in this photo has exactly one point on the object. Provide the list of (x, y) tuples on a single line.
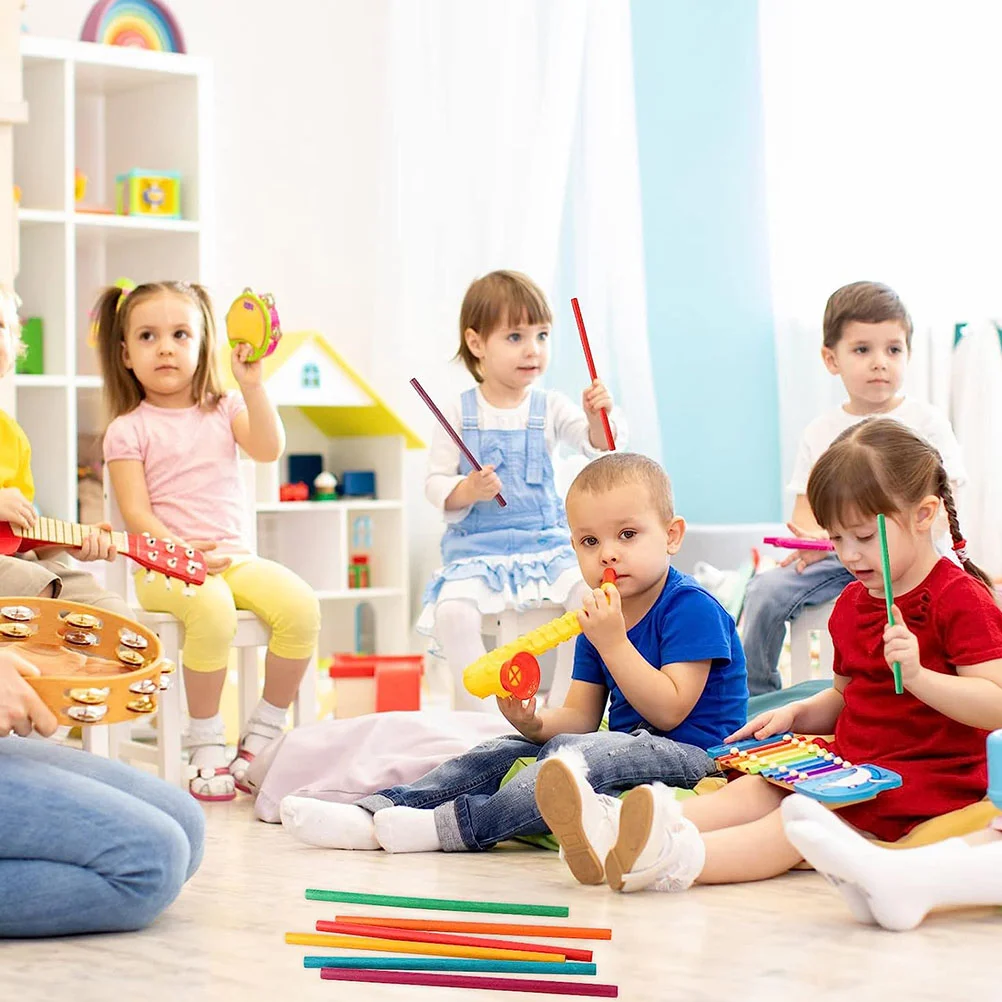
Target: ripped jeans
[(473, 811)]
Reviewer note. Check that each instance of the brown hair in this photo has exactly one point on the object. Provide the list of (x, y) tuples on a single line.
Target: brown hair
[(881, 467), (122, 391), (615, 469), (866, 303), (502, 297)]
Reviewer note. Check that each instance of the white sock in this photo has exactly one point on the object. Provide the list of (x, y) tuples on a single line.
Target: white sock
[(331, 826), (797, 808), (902, 886), (265, 724), (206, 742), (406, 829)]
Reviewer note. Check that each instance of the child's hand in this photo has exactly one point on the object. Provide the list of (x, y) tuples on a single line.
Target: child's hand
[(21, 708), (777, 721), (247, 374), (522, 716), (483, 485), (16, 508), (596, 399), (215, 563), (804, 558), (97, 545), (901, 645), (601, 618)]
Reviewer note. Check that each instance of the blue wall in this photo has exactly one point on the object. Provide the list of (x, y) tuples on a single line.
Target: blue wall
[(699, 120)]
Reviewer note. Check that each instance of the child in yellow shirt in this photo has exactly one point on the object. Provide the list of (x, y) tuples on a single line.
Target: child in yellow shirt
[(43, 572)]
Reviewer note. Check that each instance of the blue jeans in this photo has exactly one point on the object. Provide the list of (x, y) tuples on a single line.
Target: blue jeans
[(775, 597), (87, 844), (473, 810)]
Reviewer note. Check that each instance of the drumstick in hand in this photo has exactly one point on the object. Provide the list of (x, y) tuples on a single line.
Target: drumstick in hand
[(590, 362), (451, 432)]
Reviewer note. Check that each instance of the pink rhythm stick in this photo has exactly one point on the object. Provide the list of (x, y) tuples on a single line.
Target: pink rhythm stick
[(590, 362), (792, 543), (451, 432), (467, 981)]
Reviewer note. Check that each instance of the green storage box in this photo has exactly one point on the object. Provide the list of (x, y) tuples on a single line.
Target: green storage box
[(30, 363)]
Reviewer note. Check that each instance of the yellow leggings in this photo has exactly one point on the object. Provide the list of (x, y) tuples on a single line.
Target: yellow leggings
[(272, 592)]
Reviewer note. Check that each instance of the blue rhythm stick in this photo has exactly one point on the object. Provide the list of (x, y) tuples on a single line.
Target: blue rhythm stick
[(885, 560)]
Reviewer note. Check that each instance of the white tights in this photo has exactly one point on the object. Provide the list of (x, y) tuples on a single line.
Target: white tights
[(457, 629)]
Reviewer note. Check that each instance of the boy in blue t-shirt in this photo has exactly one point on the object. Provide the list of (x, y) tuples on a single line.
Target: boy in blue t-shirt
[(664, 650)]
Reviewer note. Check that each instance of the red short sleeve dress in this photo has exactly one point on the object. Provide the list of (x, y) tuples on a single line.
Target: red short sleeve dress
[(942, 762)]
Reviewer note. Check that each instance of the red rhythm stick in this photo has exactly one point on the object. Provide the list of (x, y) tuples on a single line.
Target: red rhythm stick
[(460, 444), (590, 362), (468, 981)]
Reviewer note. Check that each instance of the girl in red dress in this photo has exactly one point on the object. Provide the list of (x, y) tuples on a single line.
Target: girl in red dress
[(948, 642)]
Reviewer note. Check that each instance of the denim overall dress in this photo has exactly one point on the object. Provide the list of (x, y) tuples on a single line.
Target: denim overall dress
[(526, 542)]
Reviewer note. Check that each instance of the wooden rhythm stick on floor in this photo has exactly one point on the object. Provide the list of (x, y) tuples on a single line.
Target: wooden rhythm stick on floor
[(797, 763), (590, 362), (451, 432)]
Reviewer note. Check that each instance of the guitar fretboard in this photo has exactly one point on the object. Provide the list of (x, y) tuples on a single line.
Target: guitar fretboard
[(52, 530)]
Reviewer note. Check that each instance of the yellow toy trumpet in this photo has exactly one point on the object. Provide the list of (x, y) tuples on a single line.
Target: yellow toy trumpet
[(513, 670)]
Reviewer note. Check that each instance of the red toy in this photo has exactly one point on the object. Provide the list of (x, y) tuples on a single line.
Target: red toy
[(370, 683), (294, 492), (590, 362)]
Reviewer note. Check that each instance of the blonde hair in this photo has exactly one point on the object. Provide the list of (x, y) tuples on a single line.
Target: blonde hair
[(9, 304), (866, 303), (880, 467), (502, 297), (616, 469), (122, 390)]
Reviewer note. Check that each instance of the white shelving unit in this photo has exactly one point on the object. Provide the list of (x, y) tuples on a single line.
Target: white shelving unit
[(103, 110)]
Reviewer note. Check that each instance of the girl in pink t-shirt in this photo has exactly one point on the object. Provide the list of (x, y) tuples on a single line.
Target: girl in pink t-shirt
[(171, 450)]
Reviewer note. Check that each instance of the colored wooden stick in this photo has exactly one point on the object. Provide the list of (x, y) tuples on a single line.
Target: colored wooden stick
[(451, 939), (885, 560), (497, 928), (451, 964), (794, 543), (425, 949), (452, 433), (590, 362), (439, 904), (468, 981)]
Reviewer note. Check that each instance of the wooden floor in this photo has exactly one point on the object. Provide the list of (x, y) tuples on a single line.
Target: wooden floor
[(223, 939)]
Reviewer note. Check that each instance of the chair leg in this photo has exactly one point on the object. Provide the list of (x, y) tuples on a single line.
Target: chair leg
[(561, 675), (168, 722), (247, 682), (800, 653), (97, 740), (826, 658), (304, 706)]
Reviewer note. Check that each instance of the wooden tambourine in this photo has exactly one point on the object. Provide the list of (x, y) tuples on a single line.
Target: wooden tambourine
[(253, 320), (96, 667)]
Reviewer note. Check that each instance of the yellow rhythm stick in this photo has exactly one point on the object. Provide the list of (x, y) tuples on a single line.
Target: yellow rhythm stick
[(512, 670), (429, 949)]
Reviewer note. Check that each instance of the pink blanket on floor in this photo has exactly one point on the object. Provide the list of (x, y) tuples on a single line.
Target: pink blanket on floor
[(343, 760)]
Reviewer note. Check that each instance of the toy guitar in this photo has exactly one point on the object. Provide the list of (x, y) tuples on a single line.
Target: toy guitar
[(796, 763), (253, 320), (165, 556), (96, 667)]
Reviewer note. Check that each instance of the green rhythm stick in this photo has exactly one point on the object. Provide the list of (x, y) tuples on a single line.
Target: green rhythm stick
[(885, 559), (439, 904)]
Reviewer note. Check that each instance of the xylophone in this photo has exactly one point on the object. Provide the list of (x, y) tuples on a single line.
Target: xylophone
[(797, 763), (994, 748)]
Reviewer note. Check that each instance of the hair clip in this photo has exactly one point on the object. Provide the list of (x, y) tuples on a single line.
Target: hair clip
[(126, 285), (960, 548)]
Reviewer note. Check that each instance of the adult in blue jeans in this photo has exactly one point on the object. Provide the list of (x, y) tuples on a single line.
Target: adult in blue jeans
[(86, 845)]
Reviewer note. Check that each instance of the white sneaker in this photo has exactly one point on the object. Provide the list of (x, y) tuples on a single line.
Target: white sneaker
[(584, 822), (657, 846)]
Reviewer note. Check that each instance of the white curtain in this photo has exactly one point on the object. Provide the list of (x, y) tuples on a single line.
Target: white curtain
[(511, 144), (882, 144)]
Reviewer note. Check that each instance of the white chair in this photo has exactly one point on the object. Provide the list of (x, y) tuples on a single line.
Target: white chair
[(250, 637), (509, 625), (812, 619)]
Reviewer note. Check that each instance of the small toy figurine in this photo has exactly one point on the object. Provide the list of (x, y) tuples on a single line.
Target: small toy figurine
[(324, 487)]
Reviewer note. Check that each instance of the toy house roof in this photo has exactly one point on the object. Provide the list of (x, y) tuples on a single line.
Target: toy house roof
[(304, 371)]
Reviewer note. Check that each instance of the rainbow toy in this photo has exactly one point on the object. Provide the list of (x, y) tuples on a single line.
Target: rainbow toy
[(141, 24), (796, 763)]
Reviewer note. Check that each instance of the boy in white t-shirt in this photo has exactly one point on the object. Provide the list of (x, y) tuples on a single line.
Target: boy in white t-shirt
[(867, 335)]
